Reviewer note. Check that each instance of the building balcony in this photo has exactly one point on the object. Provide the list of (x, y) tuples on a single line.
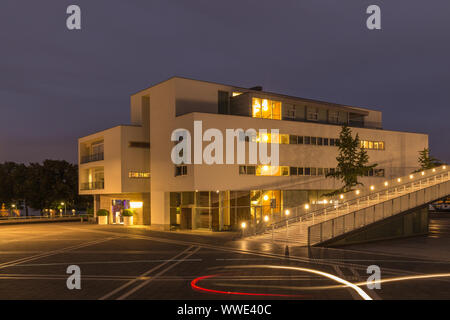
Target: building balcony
[(97, 185), (92, 157)]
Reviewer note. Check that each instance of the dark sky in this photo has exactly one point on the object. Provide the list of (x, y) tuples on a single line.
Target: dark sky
[(57, 85)]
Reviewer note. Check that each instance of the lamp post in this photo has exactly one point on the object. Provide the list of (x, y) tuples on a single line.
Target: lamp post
[(287, 212), (65, 208), (243, 226)]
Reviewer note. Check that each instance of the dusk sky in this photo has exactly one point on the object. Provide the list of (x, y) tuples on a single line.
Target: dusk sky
[(57, 85)]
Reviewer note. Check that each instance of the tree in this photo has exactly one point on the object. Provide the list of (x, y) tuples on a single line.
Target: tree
[(352, 161), (41, 186), (427, 161)]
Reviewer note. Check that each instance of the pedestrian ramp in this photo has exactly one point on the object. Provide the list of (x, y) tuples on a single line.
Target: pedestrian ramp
[(313, 225)]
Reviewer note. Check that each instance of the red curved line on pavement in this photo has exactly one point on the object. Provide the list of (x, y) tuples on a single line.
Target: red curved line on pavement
[(198, 288)]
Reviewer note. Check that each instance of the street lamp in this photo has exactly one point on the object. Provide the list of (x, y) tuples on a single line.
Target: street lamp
[(65, 209), (243, 226)]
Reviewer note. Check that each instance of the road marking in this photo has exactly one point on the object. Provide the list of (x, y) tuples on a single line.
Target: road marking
[(108, 295), (103, 262), (51, 253), (143, 284), (341, 274), (242, 251), (372, 292)]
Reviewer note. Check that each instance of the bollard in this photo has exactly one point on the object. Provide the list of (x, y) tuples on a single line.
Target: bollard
[(286, 251)]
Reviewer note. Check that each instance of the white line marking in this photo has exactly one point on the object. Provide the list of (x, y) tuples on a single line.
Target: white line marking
[(106, 296), (143, 284)]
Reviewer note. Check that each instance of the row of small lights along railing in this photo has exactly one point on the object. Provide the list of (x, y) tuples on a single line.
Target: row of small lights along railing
[(356, 197)]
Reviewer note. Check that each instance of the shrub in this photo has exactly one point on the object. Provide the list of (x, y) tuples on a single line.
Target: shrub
[(127, 213), (102, 213)]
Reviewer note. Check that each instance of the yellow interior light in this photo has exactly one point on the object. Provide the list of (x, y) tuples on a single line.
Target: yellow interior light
[(136, 205)]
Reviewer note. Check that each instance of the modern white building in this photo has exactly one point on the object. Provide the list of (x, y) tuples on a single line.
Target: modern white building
[(130, 166)]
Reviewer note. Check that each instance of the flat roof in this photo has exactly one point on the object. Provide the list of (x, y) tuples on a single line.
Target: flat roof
[(357, 109)]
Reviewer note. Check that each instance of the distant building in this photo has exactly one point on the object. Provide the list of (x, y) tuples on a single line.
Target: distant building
[(130, 165)]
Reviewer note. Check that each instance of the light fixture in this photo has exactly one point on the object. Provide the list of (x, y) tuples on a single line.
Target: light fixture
[(399, 180), (217, 191), (357, 191), (287, 212), (372, 187), (434, 170), (266, 218), (265, 168), (444, 167), (325, 201), (423, 173), (62, 203), (386, 183), (341, 196), (306, 206), (411, 176), (265, 137), (266, 197), (136, 204), (243, 225)]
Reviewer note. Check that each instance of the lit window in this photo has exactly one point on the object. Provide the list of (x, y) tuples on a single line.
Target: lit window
[(265, 108), (235, 94), (372, 145)]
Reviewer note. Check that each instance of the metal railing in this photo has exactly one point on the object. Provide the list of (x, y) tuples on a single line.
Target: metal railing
[(388, 204), (347, 204), (93, 157)]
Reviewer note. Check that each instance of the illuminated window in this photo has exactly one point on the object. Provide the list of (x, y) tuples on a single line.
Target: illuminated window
[(235, 94), (138, 175), (284, 138), (269, 138), (265, 108), (372, 145), (265, 170)]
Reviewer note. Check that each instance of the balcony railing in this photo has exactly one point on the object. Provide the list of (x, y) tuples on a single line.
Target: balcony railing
[(93, 157), (98, 185)]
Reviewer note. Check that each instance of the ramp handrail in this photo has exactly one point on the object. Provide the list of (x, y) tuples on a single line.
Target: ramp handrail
[(361, 198)]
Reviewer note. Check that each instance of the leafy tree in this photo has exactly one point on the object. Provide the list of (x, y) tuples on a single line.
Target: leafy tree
[(352, 161), (427, 161), (41, 186)]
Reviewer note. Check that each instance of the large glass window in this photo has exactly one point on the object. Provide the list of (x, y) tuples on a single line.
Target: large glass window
[(265, 108), (372, 145)]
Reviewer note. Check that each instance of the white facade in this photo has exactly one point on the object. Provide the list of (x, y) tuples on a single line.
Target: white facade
[(213, 196)]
